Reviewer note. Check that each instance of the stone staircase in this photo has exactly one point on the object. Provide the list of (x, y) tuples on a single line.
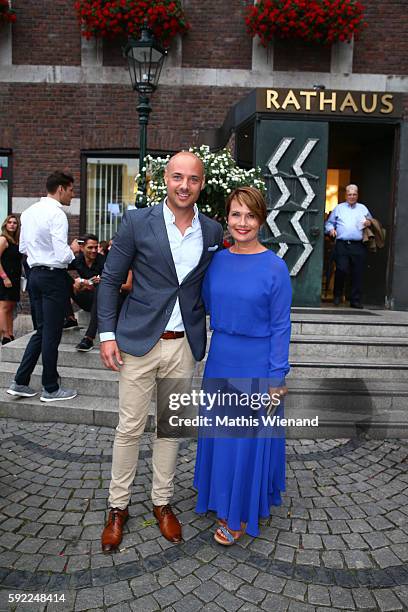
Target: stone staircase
[(349, 368)]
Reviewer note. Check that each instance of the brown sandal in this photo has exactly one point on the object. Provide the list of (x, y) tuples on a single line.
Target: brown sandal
[(228, 538)]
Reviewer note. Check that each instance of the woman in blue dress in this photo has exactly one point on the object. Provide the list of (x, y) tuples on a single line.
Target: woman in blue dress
[(247, 292)]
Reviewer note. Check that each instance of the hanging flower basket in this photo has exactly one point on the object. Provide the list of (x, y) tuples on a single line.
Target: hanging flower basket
[(315, 21), (7, 15), (123, 18), (222, 175)]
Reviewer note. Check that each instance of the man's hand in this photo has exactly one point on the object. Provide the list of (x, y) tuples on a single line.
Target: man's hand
[(333, 233), (96, 280), (77, 286), (7, 282), (75, 247), (110, 355), (367, 223)]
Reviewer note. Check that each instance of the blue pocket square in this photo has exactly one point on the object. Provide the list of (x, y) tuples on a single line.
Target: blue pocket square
[(213, 248)]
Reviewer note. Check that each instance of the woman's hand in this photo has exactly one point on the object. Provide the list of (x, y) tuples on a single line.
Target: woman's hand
[(7, 282), (277, 394), (281, 391)]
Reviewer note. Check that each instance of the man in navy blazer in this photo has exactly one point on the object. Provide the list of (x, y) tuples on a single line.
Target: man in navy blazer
[(161, 330)]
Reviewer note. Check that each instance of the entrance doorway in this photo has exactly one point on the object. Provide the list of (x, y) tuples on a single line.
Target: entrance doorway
[(307, 165), (363, 154)]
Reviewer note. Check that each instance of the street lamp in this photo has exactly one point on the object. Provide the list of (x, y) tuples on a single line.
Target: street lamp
[(145, 60)]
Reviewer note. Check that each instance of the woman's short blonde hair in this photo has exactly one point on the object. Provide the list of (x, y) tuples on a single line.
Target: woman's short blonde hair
[(251, 197)]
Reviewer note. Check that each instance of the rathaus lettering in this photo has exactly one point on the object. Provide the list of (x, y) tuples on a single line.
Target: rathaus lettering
[(329, 101)]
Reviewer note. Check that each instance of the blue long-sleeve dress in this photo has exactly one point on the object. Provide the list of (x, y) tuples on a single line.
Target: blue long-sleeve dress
[(248, 298)]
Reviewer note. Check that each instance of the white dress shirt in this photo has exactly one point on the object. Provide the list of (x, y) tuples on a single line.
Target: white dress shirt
[(44, 233), (186, 251)]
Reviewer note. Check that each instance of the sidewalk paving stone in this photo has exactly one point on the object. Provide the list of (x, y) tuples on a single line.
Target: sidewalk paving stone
[(339, 541)]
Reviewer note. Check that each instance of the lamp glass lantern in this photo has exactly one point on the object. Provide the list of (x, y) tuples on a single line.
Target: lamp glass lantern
[(145, 58)]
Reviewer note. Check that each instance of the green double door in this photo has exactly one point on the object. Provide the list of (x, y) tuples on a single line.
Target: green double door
[(293, 156)]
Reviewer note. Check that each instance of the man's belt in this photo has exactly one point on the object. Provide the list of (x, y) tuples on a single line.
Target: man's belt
[(47, 268), (172, 335), (348, 241)]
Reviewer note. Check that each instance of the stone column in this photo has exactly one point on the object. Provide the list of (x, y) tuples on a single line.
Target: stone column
[(342, 57), (6, 46), (174, 57), (91, 52), (262, 59)]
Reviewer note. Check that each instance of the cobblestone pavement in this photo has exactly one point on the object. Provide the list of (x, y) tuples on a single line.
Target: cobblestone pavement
[(338, 542)]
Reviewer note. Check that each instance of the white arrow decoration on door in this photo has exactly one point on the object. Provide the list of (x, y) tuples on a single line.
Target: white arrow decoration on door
[(285, 193), (309, 197)]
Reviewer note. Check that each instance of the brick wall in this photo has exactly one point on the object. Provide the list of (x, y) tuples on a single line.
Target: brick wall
[(46, 32), (112, 53), (383, 47), (44, 133), (65, 119), (218, 37), (296, 55)]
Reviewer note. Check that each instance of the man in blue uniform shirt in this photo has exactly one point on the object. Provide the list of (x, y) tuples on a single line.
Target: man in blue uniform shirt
[(346, 224)]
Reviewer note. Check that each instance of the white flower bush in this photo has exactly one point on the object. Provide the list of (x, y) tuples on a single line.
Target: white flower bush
[(222, 176)]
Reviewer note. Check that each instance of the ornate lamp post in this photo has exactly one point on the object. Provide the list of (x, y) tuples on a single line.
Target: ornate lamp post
[(145, 60)]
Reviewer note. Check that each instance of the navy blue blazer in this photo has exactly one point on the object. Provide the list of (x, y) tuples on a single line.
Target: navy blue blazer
[(142, 246)]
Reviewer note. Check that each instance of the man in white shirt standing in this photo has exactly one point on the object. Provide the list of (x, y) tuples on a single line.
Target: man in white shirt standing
[(44, 233)]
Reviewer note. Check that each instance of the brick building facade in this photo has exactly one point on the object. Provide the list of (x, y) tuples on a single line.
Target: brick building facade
[(65, 101)]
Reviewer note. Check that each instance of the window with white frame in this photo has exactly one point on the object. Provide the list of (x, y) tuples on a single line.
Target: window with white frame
[(111, 190), (4, 187)]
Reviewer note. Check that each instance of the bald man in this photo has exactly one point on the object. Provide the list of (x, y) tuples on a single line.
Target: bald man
[(346, 224), (160, 332)]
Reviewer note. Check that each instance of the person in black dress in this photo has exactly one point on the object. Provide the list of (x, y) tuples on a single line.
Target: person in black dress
[(10, 274)]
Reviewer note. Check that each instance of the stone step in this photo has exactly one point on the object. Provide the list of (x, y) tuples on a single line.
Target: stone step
[(98, 383), (83, 409), (347, 347), (303, 348), (67, 354), (341, 413), (336, 368), (364, 329), (85, 372)]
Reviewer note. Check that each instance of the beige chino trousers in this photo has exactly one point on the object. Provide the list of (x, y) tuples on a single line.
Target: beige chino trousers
[(138, 376)]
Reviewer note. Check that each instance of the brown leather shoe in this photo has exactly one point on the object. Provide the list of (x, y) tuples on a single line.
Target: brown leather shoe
[(112, 533), (168, 523)]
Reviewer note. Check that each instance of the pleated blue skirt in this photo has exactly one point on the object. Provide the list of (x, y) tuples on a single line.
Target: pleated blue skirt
[(239, 478)]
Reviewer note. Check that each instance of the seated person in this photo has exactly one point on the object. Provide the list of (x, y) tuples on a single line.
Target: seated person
[(83, 290), (86, 343), (103, 247)]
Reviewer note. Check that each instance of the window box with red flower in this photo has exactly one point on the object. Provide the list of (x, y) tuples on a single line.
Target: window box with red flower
[(123, 18), (7, 15), (315, 21)]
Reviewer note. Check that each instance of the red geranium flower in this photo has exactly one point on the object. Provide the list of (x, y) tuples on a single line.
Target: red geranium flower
[(7, 15), (322, 21), (111, 18)]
